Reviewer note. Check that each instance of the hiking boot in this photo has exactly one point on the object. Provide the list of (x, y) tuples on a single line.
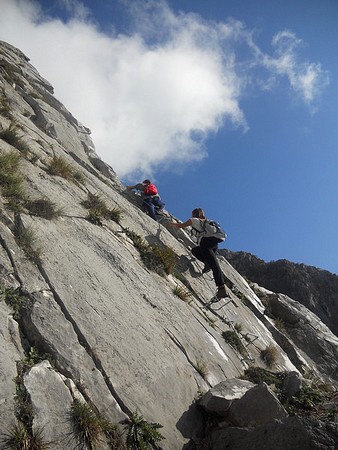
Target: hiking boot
[(206, 268), (221, 292)]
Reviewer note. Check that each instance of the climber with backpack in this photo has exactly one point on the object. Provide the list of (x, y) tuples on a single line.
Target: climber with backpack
[(208, 235), (150, 196)]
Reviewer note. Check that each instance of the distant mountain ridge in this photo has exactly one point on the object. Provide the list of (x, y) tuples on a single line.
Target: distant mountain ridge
[(317, 289)]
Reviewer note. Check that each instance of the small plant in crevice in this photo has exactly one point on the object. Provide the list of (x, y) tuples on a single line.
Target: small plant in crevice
[(60, 167), (26, 239), (95, 202), (160, 259), (310, 398), (258, 374), (115, 214), (14, 298), (269, 355), (232, 338), (238, 327), (280, 324), (5, 110), (89, 427), (95, 218), (139, 243), (87, 424), (10, 135), (98, 210), (19, 438), (11, 181), (182, 293), (143, 435), (43, 207), (115, 436)]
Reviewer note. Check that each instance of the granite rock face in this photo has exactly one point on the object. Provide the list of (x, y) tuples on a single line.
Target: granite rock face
[(85, 315)]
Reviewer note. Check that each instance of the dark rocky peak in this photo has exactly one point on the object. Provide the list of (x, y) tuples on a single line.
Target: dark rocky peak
[(315, 288)]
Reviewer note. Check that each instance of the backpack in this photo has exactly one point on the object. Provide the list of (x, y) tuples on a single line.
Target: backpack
[(150, 189), (213, 229)]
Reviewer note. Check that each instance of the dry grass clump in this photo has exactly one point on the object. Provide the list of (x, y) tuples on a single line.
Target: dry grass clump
[(11, 181), (269, 355), (26, 239), (160, 259), (43, 207), (98, 210), (20, 438), (60, 167), (10, 135), (232, 338), (86, 423), (90, 427), (182, 293), (115, 214)]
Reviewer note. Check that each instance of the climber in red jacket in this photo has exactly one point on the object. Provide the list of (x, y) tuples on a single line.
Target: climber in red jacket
[(150, 197)]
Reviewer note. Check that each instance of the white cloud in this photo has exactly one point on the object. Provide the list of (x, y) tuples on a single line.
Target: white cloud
[(306, 79), (152, 97)]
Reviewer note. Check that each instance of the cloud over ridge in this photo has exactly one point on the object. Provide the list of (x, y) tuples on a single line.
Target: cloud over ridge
[(151, 97)]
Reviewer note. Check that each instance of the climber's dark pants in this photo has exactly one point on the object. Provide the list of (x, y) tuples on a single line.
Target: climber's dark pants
[(152, 203), (206, 252)]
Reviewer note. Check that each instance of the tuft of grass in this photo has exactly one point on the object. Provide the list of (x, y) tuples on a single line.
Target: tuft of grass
[(19, 438), (14, 298), (238, 327), (11, 181), (115, 214), (143, 435), (43, 207), (95, 202), (182, 293), (258, 374), (95, 218), (98, 210), (139, 243), (269, 355), (25, 238), (87, 424), (5, 110), (60, 167), (167, 256), (232, 338), (115, 436), (160, 259), (280, 324), (10, 135)]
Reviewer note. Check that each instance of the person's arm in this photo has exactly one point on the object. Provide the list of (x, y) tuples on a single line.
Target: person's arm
[(138, 186), (185, 224)]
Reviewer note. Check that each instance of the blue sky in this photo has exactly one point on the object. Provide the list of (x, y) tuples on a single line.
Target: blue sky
[(228, 105)]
